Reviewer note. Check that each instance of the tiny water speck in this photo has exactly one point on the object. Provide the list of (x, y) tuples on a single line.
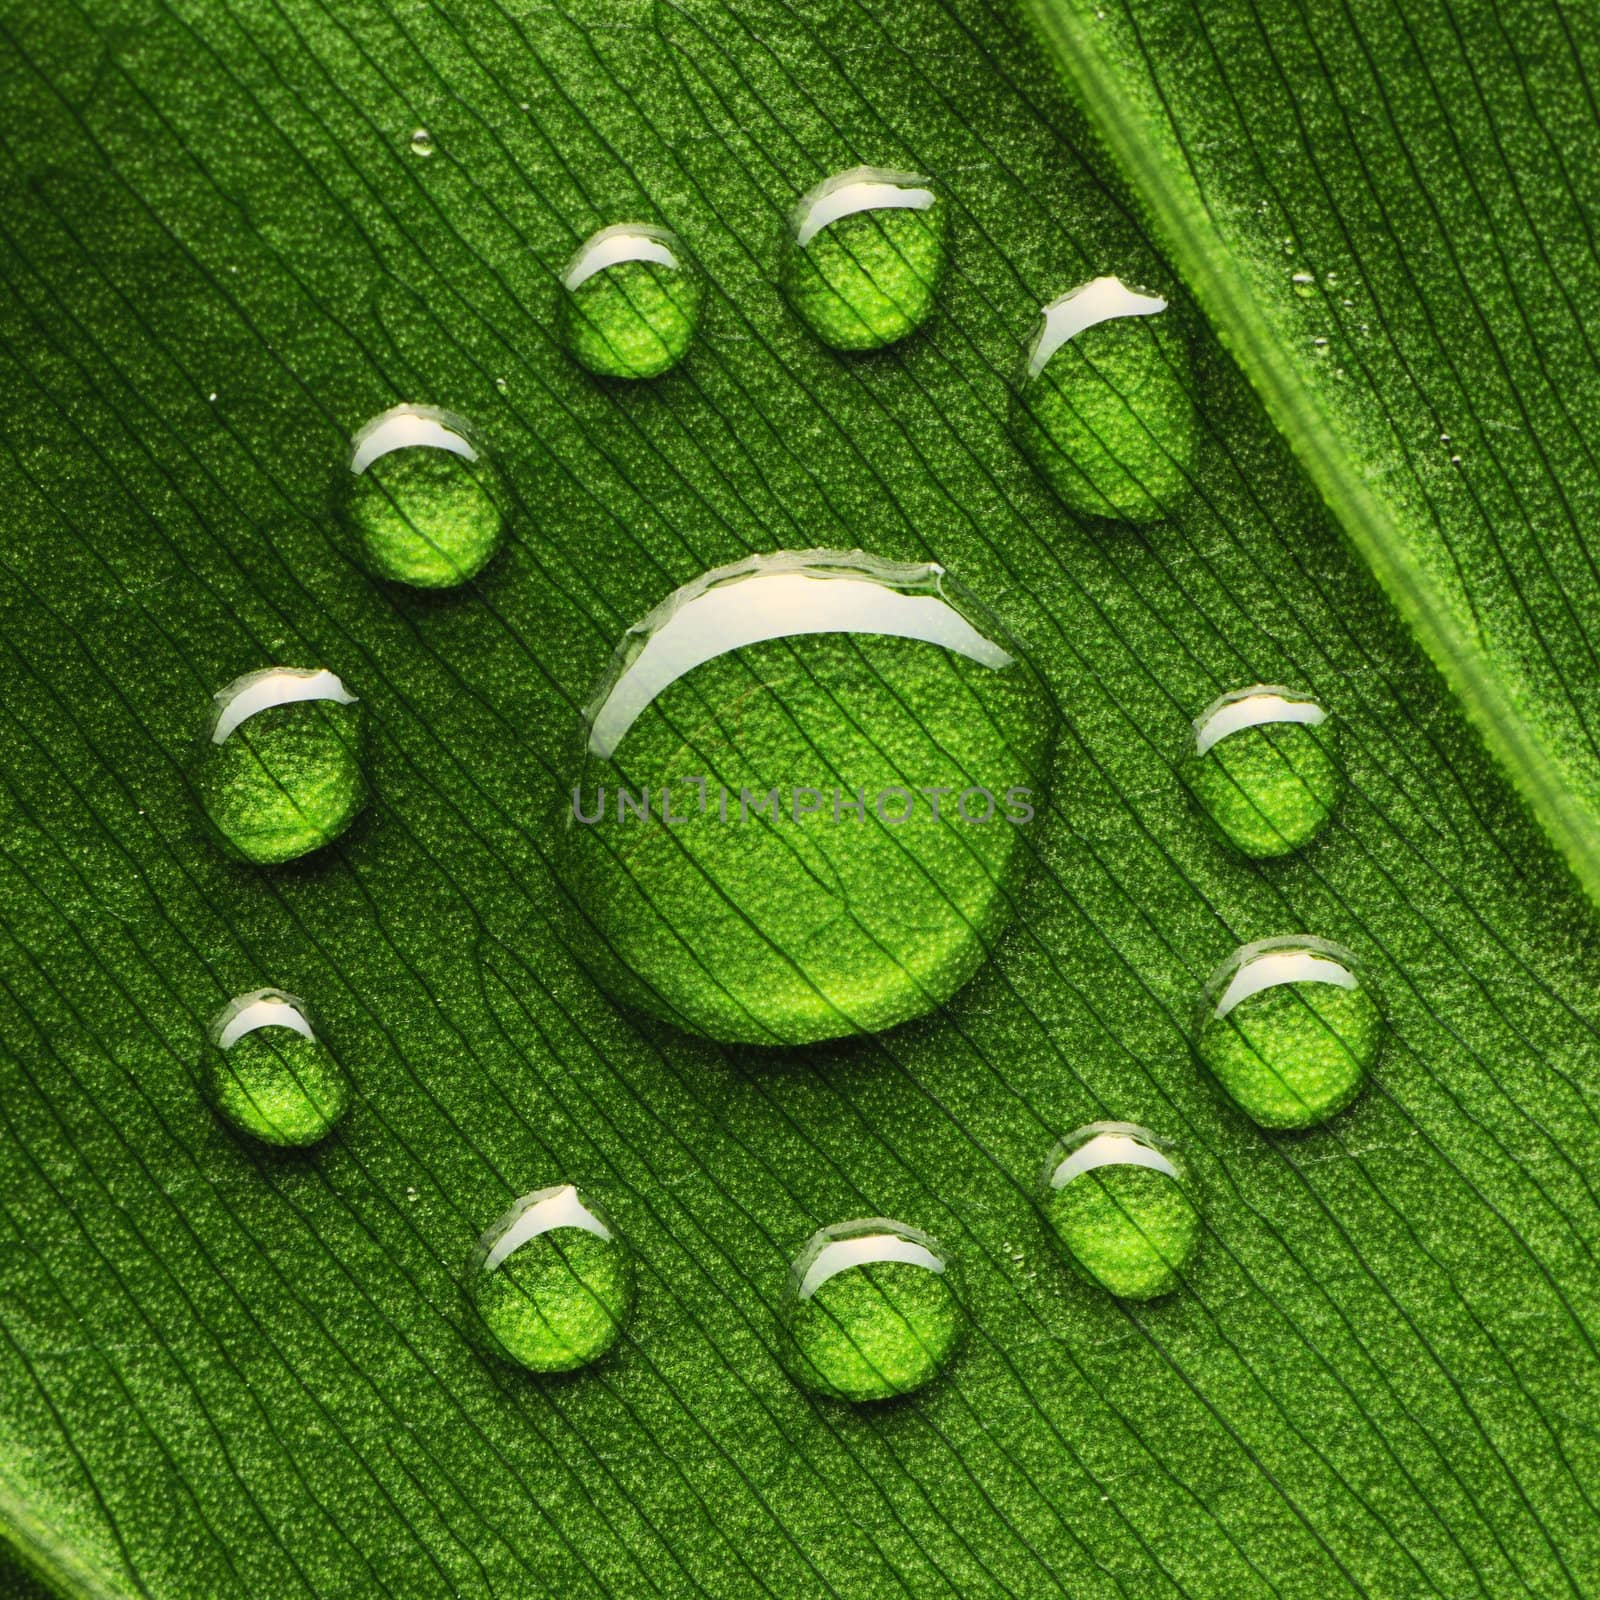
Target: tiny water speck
[(806, 798), (552, 1281), (1263, 764), (865, 256), (424, 497), (870, 1311), (1120, 1201), (422, 142), (1103, 408), (278, 770), (1290, 1029), (269, 1074), (631, 300)]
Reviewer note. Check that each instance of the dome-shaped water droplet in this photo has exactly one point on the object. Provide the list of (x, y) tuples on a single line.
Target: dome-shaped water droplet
[(278, 771), (630, 301), (870, 1311), (421, 142), (1263, 766), (269, 1074), (865, 257), (552, 1281), (1119, 1200), (1290, 1030), (1103, 408), (427, 502), (807, 793)]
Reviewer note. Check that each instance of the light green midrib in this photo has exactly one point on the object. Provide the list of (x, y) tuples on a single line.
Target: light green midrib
[(1203, 259), (43, 1555)]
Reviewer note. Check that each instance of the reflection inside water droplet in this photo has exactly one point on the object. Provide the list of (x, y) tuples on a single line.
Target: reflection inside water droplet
[(424, 498), (1118, 1199), (278, 773), (1263, 766), (631, 301), (805, 796), (1290, 1029), (1103, 410), (269, 1074), (870, 1310), (552, 1281), (865, 256)]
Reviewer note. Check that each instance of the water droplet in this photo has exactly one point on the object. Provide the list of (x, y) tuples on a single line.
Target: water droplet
[(421, 142), (630, 303), (1290, 1029), (278, 771), (1303, 283), (808, 790), (865, 257), (552, 1281), (425, 499), (1119, 1200), (870, 1311), (1263, 768), (1103, 410), (269, 1074)]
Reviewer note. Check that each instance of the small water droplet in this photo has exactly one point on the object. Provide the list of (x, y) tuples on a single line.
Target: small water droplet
[(422, 142), (630, 302), (1103, 410), (1290, 1029), (278, 770), (870, 1311), (269, 1074), (425, 499), (1263, 767), (808, 790), (501, 385), (1119, 1200), (552, 1281), (1303, 283), (1319, 346), (865, 257)]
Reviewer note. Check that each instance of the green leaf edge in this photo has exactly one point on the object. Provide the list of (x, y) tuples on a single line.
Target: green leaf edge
[(35, 1550), (1203, 260)]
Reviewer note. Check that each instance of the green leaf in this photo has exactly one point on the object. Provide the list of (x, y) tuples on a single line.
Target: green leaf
[(1386, 217), (230, 1371)]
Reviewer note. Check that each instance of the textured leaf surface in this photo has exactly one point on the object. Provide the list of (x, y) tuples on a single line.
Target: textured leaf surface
[(1387, 212), (227, 1372)]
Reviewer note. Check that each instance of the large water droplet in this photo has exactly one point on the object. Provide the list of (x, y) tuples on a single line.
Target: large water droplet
[(421, 142), (865, 257), (631, 301), (870, 1311), (806, 800), (1263, 766), (269, 1074), (1103, 409), (1290, 1030), (1119, 1200), (427, 502), (278, 772), (552, 1281)]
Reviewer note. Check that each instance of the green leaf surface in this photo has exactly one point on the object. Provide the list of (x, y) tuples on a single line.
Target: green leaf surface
[(231, 1371), (1387, 212)]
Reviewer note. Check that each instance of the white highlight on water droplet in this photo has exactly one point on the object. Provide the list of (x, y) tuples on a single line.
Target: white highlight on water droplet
[(533, 1214), (1098, 300), (892, 1243), (859, 189), (261, 1008), (406, 426), (272, 686), (1250, 708), (778, 596), (623, 241), (1271, 962), (1113, 1144)]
